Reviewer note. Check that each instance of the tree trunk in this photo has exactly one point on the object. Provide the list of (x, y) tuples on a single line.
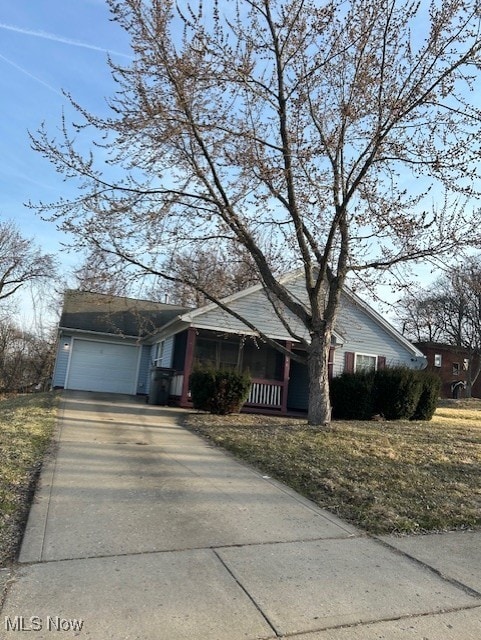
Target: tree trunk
[(319, 410)]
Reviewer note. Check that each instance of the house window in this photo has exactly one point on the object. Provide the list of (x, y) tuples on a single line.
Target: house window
[(219, 354), (262, 361), (259, 360), (438, 360), (206, 353), (455, 368), (228, 355), (365, 362), (159, 354)]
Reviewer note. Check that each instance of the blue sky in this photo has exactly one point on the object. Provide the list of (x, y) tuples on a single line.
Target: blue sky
[(47, 46)]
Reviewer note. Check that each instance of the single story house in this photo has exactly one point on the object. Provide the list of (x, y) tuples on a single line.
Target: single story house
[(115, 344)]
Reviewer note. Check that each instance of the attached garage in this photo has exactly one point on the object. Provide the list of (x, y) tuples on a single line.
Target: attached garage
[(103, 366)]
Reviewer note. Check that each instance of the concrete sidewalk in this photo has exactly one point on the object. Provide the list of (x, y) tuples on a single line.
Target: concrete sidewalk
[(141, 530)]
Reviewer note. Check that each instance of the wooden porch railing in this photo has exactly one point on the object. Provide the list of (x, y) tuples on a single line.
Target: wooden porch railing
[(265, 394)]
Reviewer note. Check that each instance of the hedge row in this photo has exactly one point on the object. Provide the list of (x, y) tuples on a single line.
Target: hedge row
[(219, 392), (394, 393)]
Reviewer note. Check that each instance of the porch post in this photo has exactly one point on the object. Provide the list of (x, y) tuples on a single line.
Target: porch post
[(188, 362), (287, 369)]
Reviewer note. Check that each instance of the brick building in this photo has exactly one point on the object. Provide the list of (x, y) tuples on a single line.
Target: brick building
[(452, 364)]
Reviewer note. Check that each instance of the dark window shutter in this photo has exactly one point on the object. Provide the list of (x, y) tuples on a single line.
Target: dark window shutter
[(349, 362), (381, 362)]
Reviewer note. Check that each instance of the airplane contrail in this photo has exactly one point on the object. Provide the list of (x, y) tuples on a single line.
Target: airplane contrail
[(55, 38), (30, 75)]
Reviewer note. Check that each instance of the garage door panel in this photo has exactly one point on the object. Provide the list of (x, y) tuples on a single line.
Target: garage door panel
[(103, 366)]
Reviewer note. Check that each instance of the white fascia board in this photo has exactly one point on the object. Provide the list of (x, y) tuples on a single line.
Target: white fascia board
[(249, 332), (105, 334), (246, 332)]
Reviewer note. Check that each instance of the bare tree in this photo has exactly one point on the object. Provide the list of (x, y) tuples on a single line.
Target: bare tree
[(103, 273), (21, 261), (450, 312), (314, 131), (421, 315), (26, 359), (200, 271)]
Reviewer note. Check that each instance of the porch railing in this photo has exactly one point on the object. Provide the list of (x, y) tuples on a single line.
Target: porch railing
[(265, 394)]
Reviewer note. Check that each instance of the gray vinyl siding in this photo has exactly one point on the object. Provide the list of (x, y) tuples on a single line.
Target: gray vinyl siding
[(168, 352), (362, 334), (166, 358), (61, 362), (144, 371), (151, 350), (257, 309)]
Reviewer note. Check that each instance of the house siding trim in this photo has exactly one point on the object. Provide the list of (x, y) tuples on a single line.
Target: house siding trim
[(143, 378), (64, 346), (188, 364)]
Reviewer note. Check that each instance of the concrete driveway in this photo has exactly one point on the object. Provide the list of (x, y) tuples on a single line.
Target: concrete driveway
[(142, 530)]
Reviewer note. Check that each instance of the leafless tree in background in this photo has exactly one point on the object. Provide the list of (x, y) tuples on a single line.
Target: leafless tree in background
[(449, 312), (21, 261), (26, 359)]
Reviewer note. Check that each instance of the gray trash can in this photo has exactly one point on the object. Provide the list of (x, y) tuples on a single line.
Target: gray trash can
[(160, 379)]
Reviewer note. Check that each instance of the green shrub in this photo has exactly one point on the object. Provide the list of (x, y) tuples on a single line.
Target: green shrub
[(397, 392), (352, 397), (219, 392), (431, 386)]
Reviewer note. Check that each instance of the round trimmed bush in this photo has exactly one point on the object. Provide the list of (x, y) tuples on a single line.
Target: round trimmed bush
[(219, 392)]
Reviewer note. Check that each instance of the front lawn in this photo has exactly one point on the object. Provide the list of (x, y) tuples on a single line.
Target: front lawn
[(385, 477), (26, 427)]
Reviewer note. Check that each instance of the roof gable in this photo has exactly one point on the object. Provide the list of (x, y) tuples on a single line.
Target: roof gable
[(253, 304)]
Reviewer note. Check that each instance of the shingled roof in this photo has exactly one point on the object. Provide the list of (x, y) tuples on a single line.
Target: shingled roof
[(105, 313)]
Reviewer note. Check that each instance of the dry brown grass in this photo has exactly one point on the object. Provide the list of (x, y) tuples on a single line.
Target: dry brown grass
[(405, 477), (26, 427)]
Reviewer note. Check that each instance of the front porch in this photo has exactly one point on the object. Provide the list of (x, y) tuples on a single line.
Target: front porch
[(279, 383)]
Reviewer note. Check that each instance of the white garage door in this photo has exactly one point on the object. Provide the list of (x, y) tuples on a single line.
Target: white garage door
[(103, 366)]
